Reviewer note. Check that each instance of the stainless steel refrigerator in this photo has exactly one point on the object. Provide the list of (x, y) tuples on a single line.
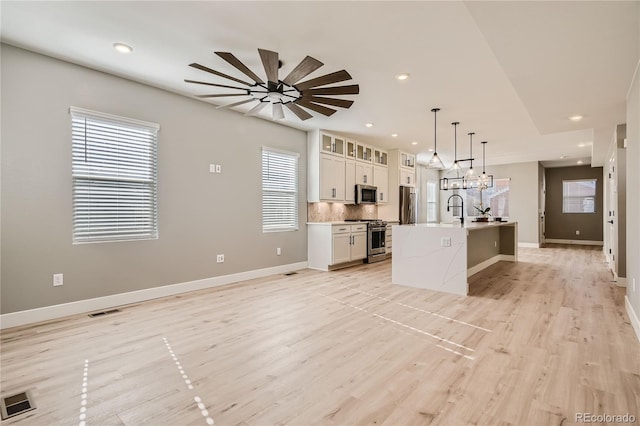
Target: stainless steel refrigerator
[(408, 205)]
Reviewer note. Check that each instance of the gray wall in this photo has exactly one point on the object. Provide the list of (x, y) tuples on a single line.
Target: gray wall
[(633, 195), (563, 226), (523, 201), (200, 214)]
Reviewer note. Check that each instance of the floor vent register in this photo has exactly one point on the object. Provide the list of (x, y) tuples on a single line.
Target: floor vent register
[(16, 404)]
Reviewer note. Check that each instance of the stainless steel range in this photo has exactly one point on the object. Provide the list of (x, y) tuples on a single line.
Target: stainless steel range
[(376, 235)]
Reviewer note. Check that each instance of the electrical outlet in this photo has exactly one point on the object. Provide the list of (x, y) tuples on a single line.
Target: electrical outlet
[(212, 168), (218, 168), (220, 258), (577, 232), (58, 279), (445, 242), (278, 251)]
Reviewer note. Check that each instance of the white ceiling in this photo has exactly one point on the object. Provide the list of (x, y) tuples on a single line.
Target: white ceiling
[(512, 72)]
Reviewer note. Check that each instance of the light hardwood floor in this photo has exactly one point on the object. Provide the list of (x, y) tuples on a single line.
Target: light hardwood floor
[(534, 344)]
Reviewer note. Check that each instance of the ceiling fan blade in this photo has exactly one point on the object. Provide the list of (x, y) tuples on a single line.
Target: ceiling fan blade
[(221, 96), (256, 109), (216, 85), (302, 114), (236, 103), (240, 66), (218, 73), (343, 103), (278, 112), (334, 77), (270, 64), (303, 69), (353, 89), (317, 108)]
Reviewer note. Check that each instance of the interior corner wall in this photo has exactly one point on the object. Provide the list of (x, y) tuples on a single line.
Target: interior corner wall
[(523, 207), (563, 226), (200, 214)]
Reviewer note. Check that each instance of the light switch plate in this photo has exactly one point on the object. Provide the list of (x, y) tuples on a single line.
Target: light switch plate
[(445, 242), (212, 168), (218, 168), (58, 280)]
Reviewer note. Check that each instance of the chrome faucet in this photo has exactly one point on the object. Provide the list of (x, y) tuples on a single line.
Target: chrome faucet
[(461, 206)]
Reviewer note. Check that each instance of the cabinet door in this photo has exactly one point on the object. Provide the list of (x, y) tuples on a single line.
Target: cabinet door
[(350, 151), (364, 174), (381, 181), (340, 248), (331, 178), (380, 157), (326, 143), (327, 179), (350, 181), (359, 246), (407, 177)]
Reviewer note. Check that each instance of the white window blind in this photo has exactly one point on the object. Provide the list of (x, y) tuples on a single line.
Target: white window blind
[(279, 190), (114, 170), (579, 196)]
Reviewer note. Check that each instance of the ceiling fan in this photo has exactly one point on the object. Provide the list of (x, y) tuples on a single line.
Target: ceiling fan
[(295, 95)]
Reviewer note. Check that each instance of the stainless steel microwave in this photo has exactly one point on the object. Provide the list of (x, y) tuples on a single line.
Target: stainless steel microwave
[(366, 194)]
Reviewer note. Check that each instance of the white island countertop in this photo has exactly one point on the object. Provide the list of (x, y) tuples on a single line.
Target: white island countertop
[(440, 256)]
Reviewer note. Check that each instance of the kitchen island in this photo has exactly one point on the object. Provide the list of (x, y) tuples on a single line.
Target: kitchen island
[(441, 256)]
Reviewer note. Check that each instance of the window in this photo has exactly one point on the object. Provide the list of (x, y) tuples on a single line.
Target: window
[(579, 196), (432, 202), (279, 190), (114, 164), (496, 197)]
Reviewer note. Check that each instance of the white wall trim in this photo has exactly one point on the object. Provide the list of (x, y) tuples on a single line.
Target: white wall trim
[(483, 265), (635, 322), (620, 281), (46, 313), (529, 245), (576, 242)]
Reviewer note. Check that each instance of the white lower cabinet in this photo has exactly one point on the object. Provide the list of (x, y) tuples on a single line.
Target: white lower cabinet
[(333, 244)]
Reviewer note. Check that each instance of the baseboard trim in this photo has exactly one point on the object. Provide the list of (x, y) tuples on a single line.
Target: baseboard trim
[(575, 242), (620, 281), (484, 265), (15, 319), (635, 322), (529, 245)]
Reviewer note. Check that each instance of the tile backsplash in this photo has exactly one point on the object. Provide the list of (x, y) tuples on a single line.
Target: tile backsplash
[(335, 212)]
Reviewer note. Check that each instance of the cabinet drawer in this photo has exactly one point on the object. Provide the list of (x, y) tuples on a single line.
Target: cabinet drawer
[(340, 229), (359, 228)]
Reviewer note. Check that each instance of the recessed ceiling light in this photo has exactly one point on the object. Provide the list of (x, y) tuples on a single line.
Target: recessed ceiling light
[(368, 125), (430, 150), (562, 157), (414, 143), (122, 48), (579, 161), (394, 135), (402, 76), (575, 118)]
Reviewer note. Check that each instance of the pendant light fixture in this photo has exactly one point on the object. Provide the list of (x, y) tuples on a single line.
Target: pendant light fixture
[(435, 162), (470, 172), (455, 166), (485, 180)]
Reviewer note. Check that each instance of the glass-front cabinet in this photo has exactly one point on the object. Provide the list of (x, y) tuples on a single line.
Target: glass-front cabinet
[(380, 157), (364, 153), (351, 150), (332, 144), (407, 160)]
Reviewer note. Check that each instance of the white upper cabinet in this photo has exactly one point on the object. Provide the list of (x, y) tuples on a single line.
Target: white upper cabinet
[(380, 157), (364, 174), (407, 160), (364, 153), (332, 144), (381, 181), (350, 151)]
